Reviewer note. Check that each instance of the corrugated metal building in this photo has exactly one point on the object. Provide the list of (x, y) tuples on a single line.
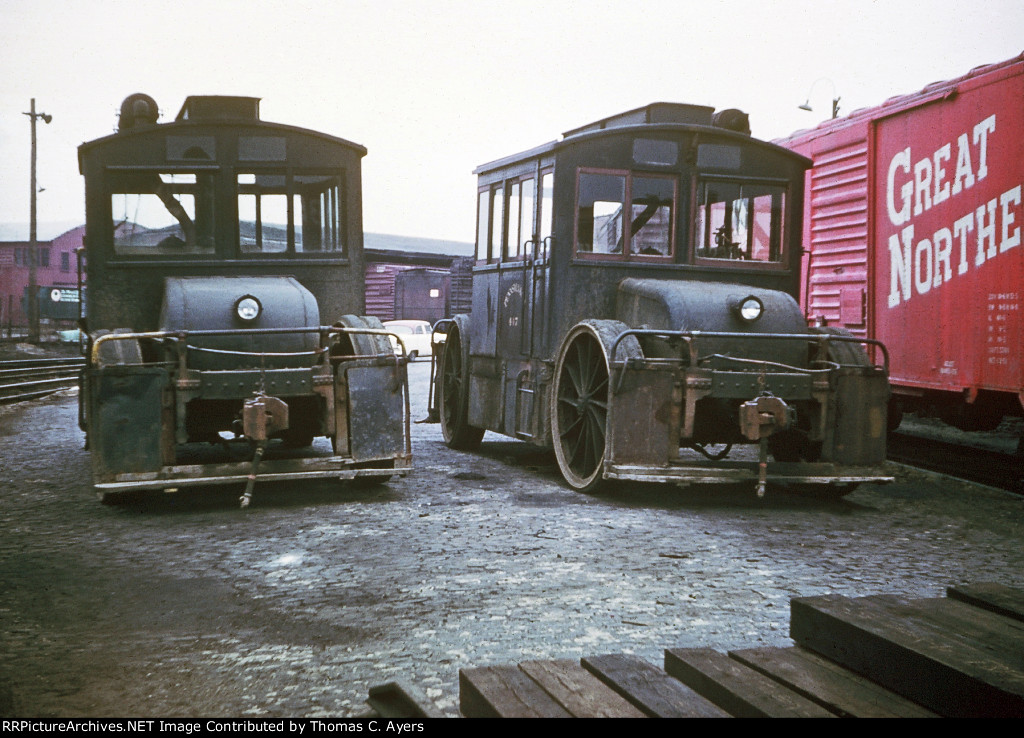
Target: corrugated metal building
[(388, 256)]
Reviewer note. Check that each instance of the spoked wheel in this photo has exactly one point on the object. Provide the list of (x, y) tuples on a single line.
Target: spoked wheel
[(453, 396), (579, 410)]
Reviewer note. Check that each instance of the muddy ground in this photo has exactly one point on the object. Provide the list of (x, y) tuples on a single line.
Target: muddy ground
[(185, 605)]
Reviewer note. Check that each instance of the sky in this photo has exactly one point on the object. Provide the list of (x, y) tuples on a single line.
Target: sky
[(434, 89)]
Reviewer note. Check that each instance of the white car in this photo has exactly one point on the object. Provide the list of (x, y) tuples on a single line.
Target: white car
[(414, 334)]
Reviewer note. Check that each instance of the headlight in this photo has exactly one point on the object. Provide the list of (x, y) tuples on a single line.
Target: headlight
[(248, 308), (748, 309)]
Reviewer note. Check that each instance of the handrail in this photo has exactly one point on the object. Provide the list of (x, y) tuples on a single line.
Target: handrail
[(180, 336), (689, 336)]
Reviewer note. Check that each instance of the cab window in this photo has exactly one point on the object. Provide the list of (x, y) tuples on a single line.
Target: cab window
[(547, 204), (298, 214), (162, 213), (520, 235), (739, 221), (607, 226), (600, 200), (483, 224)]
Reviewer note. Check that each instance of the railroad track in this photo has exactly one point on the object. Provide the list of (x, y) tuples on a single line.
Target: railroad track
[(27, 379), (984, 466)]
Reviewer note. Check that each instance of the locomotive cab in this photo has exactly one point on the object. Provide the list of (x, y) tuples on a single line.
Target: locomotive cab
[(225, 286), (635, 308)]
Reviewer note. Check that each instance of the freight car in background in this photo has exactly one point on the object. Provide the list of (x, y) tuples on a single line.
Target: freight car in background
[(912, 226)]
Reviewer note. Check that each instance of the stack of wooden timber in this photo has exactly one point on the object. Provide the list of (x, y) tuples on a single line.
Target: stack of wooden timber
[(877, 656)]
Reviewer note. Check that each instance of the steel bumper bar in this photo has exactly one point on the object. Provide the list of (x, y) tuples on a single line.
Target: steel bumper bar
[(279, 470), (731, 472)]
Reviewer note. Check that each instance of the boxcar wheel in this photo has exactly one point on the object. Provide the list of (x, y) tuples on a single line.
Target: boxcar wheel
[(453, 395), (579, 400)]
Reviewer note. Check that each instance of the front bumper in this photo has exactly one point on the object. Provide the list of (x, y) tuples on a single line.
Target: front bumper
[(270, 470), (739, 472)]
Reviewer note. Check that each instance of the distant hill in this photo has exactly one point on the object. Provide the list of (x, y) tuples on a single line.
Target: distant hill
[(413, 244), (44, 231)]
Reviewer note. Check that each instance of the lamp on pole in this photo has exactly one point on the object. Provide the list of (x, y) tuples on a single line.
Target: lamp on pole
[(835, 98), (33, 289)]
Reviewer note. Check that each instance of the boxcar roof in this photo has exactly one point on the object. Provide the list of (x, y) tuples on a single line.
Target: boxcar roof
[(934, 91)]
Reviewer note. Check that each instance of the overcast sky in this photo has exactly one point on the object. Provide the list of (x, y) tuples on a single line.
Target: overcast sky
[(434, 89)]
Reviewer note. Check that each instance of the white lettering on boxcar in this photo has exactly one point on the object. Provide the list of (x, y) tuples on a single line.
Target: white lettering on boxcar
[(913, 188)]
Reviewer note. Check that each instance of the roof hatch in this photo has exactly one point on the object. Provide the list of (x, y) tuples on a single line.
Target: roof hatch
[(220, 107)]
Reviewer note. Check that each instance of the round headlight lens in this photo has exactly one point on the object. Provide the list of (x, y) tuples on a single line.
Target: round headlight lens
[(748, 309), (248, 308), (751, 308)]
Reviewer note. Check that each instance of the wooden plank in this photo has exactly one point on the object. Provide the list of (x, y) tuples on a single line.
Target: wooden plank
[(996, 598), (999, 637), (504, 691), (401, 701), (736, 688), (837, 689), (577, 690), (649, 688), (894, 647)]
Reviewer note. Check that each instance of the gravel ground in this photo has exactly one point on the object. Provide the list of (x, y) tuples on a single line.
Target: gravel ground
[(184, 605)]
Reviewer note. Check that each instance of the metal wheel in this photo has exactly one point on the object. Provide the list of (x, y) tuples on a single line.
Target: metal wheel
[(453, 396), (843, 352), (579, 410), (361, 344)]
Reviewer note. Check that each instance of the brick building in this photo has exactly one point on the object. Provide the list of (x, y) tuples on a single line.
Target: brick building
[(56, 277)]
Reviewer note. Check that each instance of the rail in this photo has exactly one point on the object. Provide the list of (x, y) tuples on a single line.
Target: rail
[(28, 379), (967, 462)]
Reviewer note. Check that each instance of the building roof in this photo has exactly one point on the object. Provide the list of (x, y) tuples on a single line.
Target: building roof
[(46, 232), (416, 245)]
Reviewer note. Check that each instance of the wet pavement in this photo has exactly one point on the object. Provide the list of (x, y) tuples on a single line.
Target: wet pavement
[(184, 605)]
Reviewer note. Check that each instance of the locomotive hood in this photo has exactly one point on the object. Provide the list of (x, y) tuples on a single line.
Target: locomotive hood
[(693, 305), (244, 304)]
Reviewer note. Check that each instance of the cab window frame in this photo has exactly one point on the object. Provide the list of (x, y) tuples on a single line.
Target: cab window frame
[(200, 212), (778, 248), (486, 196), (297, 195), (628, 252), (523, 211), (545, 195)]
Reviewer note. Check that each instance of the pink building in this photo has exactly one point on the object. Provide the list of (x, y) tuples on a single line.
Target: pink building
[(56, 277)]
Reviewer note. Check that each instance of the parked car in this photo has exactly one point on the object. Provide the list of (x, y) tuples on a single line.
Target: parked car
[(414, 334)]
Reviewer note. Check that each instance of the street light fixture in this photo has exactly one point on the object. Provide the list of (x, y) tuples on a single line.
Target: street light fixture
[(33, 288), (835, 98)]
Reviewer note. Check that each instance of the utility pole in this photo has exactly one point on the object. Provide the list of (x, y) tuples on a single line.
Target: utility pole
[(33, 288)]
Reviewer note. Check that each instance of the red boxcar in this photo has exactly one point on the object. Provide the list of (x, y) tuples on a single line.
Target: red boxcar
[(912, 225)]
